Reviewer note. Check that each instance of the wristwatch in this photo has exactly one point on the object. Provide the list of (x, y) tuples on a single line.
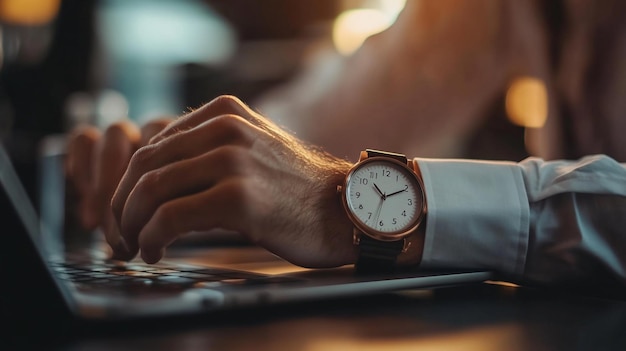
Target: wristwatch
[(385, 200)]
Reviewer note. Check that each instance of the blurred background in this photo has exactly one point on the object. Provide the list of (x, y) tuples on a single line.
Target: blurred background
[(66, 62)]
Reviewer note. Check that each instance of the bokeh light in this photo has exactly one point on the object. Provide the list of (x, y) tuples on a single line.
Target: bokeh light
[(353, 27), (29, 12), (527, 102)]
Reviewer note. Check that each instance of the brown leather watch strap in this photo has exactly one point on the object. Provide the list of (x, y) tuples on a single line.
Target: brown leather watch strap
[(377, 256), (378, 153)]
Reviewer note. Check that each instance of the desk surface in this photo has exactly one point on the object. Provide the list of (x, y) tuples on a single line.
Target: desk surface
[(480, 317), (475, 317)]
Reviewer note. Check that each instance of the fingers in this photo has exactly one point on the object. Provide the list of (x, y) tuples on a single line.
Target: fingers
[(221, 206), (95, 163), (216, 132), (152, 128), (80, 147), (218, 207), (177, 180), (222, 105), (79, 169), (111, 157)]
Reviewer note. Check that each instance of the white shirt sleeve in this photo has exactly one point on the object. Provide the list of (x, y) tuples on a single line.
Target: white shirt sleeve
[(544, 222)]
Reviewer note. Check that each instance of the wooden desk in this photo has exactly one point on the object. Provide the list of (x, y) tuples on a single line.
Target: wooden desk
[(482, 317)]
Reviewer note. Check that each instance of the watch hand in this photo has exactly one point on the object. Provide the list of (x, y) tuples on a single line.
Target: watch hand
[(382, 195), (380, 206), (397, 192)]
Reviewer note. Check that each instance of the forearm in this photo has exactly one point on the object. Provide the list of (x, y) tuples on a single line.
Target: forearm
[(402, 89)]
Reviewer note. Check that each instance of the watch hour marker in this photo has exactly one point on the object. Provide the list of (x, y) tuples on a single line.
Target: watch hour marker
[(384, 197)]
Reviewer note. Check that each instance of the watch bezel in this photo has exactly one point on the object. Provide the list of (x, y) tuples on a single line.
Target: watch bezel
[(365, 229)]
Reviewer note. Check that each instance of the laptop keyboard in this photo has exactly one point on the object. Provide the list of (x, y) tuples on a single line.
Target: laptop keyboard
[(121, 275)]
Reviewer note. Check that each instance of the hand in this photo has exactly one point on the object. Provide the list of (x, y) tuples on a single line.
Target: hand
[(383, 197), (380, 192), (96, 161), (225, 166), (396, 192), (378, 209)]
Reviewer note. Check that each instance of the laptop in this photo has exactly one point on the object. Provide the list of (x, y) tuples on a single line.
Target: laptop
[(69, 278)]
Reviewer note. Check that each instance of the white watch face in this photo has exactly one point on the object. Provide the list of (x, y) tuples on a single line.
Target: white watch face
[(384, 196)]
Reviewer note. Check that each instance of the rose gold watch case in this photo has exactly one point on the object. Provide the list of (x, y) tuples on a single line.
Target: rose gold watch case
[(362, 227)]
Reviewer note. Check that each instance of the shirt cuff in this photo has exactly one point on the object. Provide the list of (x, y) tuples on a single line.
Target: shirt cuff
[(478, 215)]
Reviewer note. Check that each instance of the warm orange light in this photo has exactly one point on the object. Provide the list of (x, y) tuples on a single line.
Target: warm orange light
[(490, 337), (352, 27), (29, 12), (527, 102)]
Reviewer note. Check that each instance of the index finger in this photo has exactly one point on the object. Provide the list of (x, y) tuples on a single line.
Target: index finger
[(222, 105), (152, 128)]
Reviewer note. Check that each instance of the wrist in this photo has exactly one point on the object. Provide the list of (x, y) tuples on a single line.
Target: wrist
[(337, 227), (383, 198)]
